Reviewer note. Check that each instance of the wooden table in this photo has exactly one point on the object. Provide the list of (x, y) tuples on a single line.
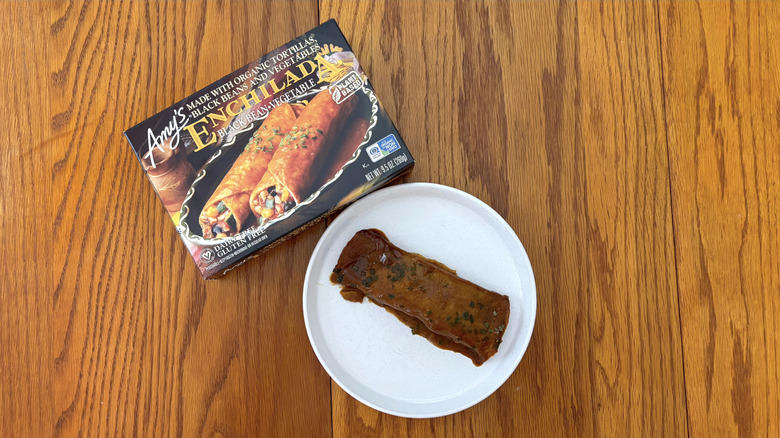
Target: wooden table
[(633, 147)]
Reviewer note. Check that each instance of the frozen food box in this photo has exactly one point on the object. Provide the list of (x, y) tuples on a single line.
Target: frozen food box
[(269, 149)]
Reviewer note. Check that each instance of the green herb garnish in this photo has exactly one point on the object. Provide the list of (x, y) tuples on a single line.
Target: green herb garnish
[(399, 269)]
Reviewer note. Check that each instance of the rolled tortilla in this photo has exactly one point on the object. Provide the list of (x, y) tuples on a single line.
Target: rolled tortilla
[(451, 312), (227, 212), (297, 108), (294, 171)]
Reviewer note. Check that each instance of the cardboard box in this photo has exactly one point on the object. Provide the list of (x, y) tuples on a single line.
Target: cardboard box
[(269, 149)]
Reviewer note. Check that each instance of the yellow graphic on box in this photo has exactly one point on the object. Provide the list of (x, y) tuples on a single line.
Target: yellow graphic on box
[(331, 69)]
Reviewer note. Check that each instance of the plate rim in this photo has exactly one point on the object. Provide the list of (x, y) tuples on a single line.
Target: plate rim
[(531, 297)]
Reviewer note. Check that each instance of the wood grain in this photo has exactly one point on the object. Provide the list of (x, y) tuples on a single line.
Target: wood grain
[(142, 345), (723, 109), (633, 147), (25, 301), (553, 115)]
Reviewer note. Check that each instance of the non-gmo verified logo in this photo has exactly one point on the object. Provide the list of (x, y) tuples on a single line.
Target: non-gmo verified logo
[(383, 148)]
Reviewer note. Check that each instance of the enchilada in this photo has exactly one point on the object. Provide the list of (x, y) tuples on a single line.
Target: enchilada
[(452, 313)]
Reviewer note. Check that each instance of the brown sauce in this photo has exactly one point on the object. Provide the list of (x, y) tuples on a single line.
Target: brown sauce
[(450, 312)]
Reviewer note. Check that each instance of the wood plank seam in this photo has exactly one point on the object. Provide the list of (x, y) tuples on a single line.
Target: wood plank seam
[(671, 207)]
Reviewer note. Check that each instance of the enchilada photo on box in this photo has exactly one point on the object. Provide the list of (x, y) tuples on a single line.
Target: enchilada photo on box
[(270, 148)]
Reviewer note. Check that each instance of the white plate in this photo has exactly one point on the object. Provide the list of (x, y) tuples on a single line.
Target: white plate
[(371, 354)]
